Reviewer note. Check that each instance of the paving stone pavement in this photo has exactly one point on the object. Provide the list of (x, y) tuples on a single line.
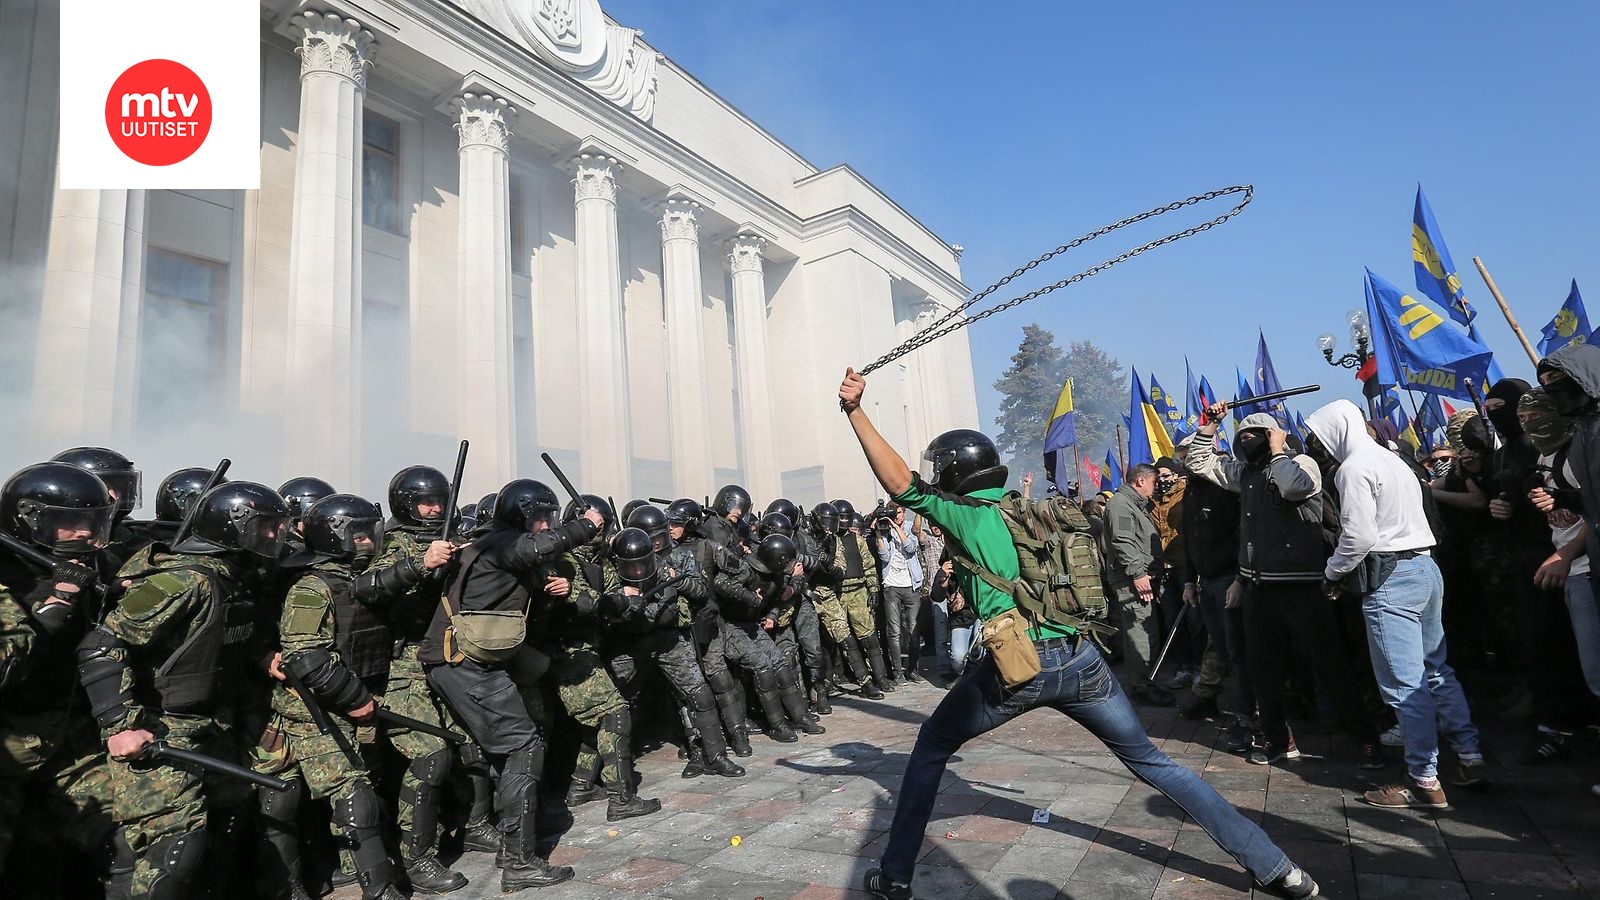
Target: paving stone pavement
[(811, 818)]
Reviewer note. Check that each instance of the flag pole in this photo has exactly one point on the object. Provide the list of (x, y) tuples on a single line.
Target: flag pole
[(1122, 453), (1505, 308), (1077, 469)]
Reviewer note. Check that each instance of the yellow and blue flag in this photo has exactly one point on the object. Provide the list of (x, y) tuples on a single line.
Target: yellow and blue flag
[(1113, 473), (1436, 272), (1413, 352), (1166, 407), (1570, 326), (1148, 440), (1061, 433)]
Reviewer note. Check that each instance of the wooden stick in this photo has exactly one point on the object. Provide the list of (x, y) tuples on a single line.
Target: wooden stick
[(1122, 453), (1505, 308)]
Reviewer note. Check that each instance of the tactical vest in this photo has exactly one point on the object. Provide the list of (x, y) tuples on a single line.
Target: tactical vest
[(853, 571), (359, 634), (410, 616), (191, 680)]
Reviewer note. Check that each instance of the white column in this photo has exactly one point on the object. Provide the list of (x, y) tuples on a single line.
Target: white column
[(683, 293), (486, 411), (603, 444), (760, 444), (85, 362), (930, 367), (325, 251)]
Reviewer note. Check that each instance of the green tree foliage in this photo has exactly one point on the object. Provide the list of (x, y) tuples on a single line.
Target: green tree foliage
[(1028, 390)]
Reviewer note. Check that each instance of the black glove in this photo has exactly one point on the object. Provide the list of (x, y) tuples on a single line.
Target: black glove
[(55, 603)]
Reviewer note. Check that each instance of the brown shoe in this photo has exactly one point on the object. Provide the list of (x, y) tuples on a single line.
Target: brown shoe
[(1408, 795), (1472, 775)]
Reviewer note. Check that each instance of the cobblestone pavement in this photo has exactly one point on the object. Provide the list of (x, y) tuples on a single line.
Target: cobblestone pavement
[(811, 818)]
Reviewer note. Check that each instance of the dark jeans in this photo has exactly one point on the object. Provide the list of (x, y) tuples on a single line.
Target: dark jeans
[(1292, 617), (1225, 628), (1076, 681), (900, 605)]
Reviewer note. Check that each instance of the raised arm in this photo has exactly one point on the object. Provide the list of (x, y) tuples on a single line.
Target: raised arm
[(887, 466)]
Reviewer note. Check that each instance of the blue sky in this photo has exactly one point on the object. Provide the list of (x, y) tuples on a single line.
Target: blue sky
[(1011, 127)]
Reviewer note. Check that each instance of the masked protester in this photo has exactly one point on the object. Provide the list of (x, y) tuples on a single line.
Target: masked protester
[(1280, 577), (964, 481)]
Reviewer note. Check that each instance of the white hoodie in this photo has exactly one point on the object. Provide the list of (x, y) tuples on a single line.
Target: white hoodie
[(1380, 498)]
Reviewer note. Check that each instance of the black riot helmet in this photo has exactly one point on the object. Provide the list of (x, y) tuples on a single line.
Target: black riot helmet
[(601, 505), (847, 515), (343, 527), (652, 521), (962, 461), (117, 471), (177, 491), (628, 508), (238, 516), (59, 507), (857, 521), (775, 523), (467, 515), (775, 555), (302, 492), (785, 507), (486, 505), (685, 512), (634, 555), (524, 503), (414, 486), (732, 498), (824, 518)]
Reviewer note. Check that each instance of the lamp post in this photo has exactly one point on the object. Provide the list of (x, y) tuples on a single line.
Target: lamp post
[(1360, 348)]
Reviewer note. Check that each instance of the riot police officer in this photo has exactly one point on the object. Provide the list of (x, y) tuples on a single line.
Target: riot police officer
[(126, 484), (684, 517), (822, 540)]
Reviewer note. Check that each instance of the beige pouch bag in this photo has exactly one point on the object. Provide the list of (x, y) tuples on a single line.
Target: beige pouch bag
[(1006, 637), (485, 636)]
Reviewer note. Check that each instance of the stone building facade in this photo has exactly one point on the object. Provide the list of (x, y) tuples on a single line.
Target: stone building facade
[(510, 221)]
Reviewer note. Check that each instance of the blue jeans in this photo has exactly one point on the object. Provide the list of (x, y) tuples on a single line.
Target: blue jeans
[(1074, 680), (1225, 629), (1586, 628), (1406, 635), (960, 647)]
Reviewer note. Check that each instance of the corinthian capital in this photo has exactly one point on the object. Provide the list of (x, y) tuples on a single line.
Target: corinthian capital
[(483, 120), (745, 253), (595, 177), (680, 220), (335, 45)]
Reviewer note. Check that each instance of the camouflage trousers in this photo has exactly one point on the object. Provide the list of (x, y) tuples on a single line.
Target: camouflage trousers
[(589, 694), (745, 643), (60, 784), (831, 615), (409, 695), (858, 608), (316, 758), (154, 803), (800, 641)]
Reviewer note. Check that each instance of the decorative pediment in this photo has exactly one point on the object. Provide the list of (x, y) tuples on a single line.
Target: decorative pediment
[(574, 36)]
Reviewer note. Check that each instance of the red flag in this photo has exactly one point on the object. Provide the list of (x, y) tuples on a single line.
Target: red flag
[(1369, 369), (1091, 478), (1448, 409)]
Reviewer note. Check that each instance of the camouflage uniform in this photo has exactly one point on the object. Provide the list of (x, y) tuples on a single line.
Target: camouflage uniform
[(856, 585), (49, 747), (162, 635), (292, 748)]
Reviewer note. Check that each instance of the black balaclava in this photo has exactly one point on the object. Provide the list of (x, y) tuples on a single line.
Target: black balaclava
[(1251, 445), (1504, 419)]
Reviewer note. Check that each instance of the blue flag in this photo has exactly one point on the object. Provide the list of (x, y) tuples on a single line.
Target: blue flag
[(1245, 393), (1148, 439), (1166, 407), (1494, 368), (1113, 472), (1436, 272), (1061, 433), (1267, 382), (1429, 421), (1412, 351), (1570, 326)]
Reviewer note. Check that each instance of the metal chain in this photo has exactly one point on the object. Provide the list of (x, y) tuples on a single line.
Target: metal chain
[(945, 325)]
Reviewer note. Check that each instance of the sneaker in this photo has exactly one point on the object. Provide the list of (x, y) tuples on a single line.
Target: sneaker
[(1240, 738), (1197, 707), (1392, 737), (1373, 757), (1473, 774), (1295, 883), (1267, 754), (1180, 679), (878, 885), (1407, 795), (1549, 746)]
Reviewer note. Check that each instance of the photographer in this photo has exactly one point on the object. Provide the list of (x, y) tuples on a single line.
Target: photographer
[(961, 619), (901, 575)]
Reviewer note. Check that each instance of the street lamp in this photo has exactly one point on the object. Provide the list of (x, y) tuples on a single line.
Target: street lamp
[(1360, 342)]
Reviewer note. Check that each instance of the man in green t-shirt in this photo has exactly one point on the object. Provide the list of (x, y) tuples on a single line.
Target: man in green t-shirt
[(957, 492)]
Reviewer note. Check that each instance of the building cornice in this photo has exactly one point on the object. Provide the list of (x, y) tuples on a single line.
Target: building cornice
[(853, 219)]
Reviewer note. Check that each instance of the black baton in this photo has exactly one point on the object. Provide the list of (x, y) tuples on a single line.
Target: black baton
[(162, 752), (394, 718), (319, 717)]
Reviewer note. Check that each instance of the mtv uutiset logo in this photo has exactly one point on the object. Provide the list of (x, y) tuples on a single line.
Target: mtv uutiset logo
[(158, 112), (145, 105)]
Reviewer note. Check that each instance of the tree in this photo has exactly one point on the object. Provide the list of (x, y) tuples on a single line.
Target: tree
[(1028, 391)]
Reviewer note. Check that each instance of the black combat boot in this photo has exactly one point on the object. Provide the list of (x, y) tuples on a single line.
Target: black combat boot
[(874, 653), (716, 746), (696, 766), (518, 859), (772, 705), (480, 835), (858, 669), (794, 703)]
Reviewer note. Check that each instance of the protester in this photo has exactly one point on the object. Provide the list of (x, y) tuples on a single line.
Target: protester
[(1167, 513), (1383, 557), (1134, 565), (901, 573)]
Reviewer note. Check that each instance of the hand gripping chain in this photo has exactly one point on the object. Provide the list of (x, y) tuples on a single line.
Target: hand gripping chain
[(956, 319)]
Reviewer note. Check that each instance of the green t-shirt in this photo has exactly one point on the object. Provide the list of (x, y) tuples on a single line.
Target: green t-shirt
[(972, 522)]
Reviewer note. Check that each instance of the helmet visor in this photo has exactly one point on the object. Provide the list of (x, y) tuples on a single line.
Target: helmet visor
[(127, 487), (427, 506), (548, 515), (359, 537), (66, 531), (933, 464), (636, 571), (261, 533), (659, 540)]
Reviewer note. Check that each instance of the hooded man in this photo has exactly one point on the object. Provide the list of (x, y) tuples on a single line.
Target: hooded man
[(1280, 572), (1383, 556)]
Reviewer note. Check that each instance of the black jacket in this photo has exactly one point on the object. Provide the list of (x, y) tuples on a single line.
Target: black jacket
[(1211, 526)]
